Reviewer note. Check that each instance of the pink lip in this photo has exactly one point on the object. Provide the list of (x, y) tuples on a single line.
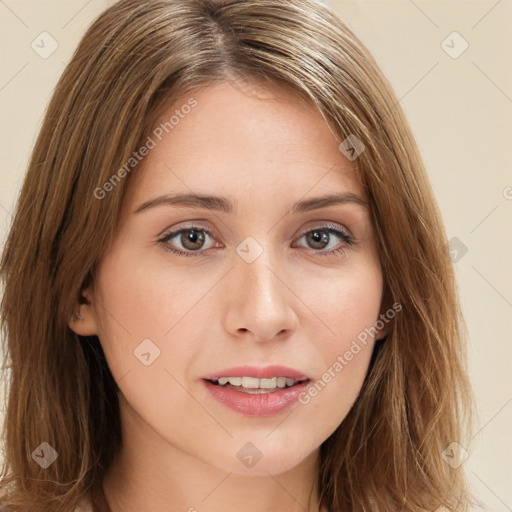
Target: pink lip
[(266, 372), (262, 404)]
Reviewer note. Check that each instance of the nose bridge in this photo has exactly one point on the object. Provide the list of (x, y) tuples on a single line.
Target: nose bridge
[(259, 301)]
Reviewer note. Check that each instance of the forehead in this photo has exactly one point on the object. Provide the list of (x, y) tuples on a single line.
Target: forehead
[(242, 138)]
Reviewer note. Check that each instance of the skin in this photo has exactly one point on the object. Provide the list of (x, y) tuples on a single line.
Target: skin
[(294, 305)]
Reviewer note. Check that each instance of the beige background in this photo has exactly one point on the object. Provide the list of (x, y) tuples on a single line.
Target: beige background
[(460, 111)]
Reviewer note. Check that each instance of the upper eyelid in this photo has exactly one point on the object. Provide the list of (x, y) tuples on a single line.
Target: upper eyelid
[(191, 225), (327, 225), (199, 224)]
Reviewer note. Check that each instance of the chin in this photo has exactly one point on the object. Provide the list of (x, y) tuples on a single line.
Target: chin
[(261, 458)]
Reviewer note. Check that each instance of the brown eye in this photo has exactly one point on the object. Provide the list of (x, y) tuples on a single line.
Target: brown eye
[(192, 239), (186, 241), (326, 240), (318, 239)]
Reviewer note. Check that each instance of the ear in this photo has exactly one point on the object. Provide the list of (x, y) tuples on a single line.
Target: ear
[(385, 319), (83, 320), (382, 333)]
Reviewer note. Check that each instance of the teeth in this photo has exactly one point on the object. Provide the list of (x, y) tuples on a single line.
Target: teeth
[(268, 383), (254, 383), (250, 382), (281, 382)]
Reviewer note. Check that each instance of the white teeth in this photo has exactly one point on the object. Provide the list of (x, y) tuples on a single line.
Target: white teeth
[(281, 382), (268, 383), (250, 382), (254, 383)]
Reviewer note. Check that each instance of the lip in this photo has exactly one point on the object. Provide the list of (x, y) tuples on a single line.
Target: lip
[(262, 372), (262, 404)]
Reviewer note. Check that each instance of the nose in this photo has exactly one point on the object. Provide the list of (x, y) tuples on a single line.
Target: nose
[(259, 301)]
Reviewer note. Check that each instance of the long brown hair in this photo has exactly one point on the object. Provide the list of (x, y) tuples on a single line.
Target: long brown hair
[(138, 55)]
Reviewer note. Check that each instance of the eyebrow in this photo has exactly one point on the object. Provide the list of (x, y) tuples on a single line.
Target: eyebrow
[(223, 204)]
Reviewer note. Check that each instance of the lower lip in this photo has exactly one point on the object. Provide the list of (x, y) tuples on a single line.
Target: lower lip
[(262, 404)]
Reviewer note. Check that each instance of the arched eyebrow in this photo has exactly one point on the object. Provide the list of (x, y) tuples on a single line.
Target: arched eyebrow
[(225, 205)]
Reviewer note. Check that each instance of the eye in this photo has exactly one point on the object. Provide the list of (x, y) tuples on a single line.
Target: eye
[(323, 240), (191, 239)]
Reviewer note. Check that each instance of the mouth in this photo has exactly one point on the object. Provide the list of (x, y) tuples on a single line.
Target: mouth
[(255, 386), (255, 390)]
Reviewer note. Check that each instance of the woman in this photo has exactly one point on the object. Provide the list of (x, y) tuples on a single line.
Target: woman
[(226, 282)]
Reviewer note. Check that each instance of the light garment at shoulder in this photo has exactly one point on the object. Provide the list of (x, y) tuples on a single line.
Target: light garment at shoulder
[(84, 506)]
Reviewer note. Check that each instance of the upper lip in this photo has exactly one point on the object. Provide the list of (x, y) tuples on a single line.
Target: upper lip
[(259, 372)]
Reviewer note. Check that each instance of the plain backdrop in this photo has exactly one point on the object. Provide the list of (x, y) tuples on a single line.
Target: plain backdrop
[(449, 62)]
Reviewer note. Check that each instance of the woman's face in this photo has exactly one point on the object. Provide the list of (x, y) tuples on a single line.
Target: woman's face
[(269, 275)]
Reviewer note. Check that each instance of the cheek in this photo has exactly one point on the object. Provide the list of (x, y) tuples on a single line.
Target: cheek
[(347, 304), (349, 309), (144, 313), (137, 302), (141, 299), (152, 319)]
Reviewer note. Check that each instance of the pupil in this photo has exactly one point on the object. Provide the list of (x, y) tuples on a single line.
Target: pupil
[(194, 237), (320, 237)]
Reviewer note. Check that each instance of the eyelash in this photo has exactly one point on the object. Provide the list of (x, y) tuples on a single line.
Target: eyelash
[(348, 240)]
